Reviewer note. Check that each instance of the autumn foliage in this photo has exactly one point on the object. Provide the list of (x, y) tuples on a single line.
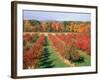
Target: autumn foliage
[(66, 38), (31, 56), (56, 26)]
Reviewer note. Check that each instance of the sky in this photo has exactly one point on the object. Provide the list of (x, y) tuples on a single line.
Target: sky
[(55, 16)]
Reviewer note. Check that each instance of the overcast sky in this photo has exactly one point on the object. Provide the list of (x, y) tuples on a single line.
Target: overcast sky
[(59, 16)]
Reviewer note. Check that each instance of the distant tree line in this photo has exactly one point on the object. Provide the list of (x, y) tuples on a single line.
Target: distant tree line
[(56, 26)]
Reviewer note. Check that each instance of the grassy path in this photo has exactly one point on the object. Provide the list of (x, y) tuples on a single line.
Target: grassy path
[(66, 61), (50, 58)]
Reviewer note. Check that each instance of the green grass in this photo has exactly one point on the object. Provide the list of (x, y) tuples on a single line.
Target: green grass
[(57, 60), (87, 59), (49, 57)]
